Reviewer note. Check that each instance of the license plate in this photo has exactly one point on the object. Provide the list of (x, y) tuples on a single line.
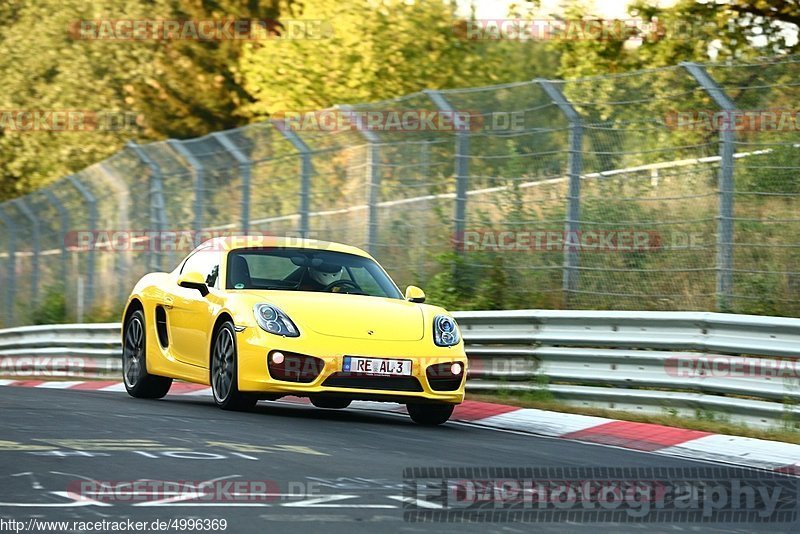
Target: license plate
[(376, 366)]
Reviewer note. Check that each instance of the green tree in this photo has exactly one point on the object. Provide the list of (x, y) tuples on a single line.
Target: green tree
[(688, 30), (379, 51), (44, 68), (178, 88), (187, 88), (194, 86)]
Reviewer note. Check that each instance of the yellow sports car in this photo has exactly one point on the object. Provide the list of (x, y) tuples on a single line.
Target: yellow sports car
[(261, 317)]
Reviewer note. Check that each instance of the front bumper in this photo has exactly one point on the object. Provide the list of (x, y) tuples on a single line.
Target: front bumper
[(254, 345)]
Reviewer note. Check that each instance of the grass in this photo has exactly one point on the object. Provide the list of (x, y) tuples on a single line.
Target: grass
[(705, 423)]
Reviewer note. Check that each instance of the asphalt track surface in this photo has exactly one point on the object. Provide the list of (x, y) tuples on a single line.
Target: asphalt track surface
[(351, 461)]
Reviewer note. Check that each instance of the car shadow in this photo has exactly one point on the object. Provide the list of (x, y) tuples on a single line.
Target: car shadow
[(310, 412)]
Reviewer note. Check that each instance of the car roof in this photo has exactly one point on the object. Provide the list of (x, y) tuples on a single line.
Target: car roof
[(228, 243)]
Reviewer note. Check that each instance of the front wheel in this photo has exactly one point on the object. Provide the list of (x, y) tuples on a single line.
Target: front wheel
[(430, 414), (138, 382), (224, 376)]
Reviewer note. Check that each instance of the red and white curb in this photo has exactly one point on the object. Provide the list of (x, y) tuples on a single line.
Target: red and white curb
[(646, 437)]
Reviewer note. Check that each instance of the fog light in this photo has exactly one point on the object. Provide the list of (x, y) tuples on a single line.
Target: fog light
[(277, 358), (456, 368)]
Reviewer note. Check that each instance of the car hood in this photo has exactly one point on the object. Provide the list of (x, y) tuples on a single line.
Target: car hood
[(350, 316)]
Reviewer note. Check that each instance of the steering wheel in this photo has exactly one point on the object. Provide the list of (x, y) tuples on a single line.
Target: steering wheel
[(342, 283)]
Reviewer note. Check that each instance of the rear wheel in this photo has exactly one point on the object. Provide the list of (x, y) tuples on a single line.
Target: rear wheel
[(138, 382), (224, 375), (430, 414), (336, 403)]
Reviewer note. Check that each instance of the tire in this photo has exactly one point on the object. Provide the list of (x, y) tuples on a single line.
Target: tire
[(430, 414), (223, 373), (334, 403), (138, 382)]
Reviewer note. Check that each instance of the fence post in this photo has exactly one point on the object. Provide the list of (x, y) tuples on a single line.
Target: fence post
[(36, 248), (425, 162), (461, 168), (725, 186), (156, 201), (570, 281), (122, 257), (373, 181), (199, 185), (11, 268), (245, 170), (63, 220), (305, 172), (91, 201)]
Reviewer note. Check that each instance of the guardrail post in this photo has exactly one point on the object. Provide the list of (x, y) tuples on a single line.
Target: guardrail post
[(305, 172), (11, 268), (373, 181), (91, 201), (156, 202), (199, 185), (36, 248), (245, 170), (63, 220), (461, 168), (725, 186), (575, 167)]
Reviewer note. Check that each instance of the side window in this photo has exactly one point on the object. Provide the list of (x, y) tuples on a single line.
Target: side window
[(205, 262)]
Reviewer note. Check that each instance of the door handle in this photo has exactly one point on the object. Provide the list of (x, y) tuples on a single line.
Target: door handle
[(167, 302)]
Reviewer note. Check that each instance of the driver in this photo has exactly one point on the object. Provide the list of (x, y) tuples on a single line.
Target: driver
[(318, 278)]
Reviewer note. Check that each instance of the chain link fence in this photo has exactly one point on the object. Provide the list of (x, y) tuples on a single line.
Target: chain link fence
[(666, 189)]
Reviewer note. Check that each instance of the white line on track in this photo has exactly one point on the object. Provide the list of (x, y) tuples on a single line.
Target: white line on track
[(58, 385)]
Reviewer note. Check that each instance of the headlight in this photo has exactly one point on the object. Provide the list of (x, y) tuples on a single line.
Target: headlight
[(274, 321), (445, 331)]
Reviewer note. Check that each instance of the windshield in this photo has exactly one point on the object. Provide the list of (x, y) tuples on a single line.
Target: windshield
[(296, 269)]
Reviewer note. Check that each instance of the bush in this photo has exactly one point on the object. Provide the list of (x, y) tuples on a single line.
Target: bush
[(52, 308)]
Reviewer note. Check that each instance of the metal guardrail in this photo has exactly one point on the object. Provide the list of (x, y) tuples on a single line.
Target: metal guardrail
[(740, 368), (61, 351)]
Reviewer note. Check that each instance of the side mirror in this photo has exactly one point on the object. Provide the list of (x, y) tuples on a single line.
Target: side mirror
[(415, 294), (193, 280)]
